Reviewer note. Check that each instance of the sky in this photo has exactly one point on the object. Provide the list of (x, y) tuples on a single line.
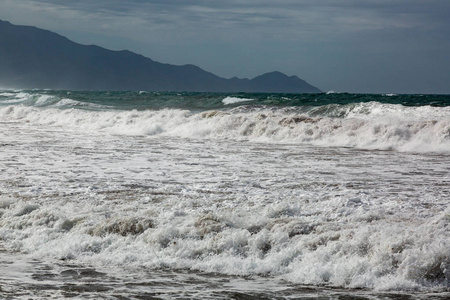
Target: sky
[(359, 46)]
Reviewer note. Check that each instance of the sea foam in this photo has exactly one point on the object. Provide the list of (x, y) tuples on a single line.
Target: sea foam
[(365, 126), (174, 189), (232, 100)]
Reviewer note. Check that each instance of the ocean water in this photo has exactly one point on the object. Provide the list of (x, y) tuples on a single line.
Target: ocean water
[(107, 195)]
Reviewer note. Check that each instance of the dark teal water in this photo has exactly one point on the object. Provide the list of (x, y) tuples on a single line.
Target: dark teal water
[(206, 101)]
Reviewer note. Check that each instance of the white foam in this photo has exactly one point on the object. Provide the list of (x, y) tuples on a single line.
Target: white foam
[(312, 215), (6, 94), (22, 95), (66, 102), (44, 100), (232, 100), (366, 126)]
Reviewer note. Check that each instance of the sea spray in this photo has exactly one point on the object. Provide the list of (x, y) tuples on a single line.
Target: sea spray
[(109, 193)]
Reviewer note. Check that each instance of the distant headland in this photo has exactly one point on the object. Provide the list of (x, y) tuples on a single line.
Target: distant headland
[(34, 58)]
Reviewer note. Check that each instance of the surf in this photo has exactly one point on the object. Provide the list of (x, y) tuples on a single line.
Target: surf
[(370, 125)]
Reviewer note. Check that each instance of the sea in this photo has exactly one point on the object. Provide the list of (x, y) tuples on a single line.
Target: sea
[(152, 195)]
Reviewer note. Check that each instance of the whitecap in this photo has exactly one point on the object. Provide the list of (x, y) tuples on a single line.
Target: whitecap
[(6, 94), (232, 100), (44, 100)]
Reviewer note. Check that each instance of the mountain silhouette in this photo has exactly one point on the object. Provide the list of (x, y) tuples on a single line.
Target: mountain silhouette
[(34, 58)]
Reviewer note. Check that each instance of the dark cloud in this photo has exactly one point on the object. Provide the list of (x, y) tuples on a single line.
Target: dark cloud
[(341, 45)]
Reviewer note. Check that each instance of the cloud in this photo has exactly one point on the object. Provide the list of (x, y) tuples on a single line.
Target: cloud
[(298, 19), (320, 39)]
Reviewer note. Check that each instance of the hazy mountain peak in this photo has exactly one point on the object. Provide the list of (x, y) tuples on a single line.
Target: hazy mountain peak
[(34, 58)]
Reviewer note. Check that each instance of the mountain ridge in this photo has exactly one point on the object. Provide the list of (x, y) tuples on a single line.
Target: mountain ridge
[(36, 58)]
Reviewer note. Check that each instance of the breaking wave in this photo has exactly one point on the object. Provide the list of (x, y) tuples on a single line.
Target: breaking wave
[(362, 125), (230, 188)]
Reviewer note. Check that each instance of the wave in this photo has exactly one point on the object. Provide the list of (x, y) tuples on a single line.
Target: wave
[(233, 100), (343, 244), (44, 100), (206, 101), (93, 195), (361, 125)]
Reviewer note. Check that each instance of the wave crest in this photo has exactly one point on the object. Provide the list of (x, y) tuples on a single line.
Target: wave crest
[(365, 125)]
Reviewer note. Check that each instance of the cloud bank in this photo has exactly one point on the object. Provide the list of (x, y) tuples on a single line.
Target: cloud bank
[(348, 45)]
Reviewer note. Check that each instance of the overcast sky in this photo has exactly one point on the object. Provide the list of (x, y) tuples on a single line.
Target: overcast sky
[(373, 46)]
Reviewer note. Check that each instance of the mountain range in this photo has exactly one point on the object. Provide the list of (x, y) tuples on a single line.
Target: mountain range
[(35, 58)]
